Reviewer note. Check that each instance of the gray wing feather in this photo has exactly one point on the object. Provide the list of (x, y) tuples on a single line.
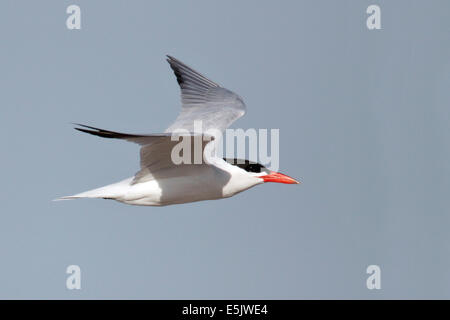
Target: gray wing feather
[(203, 100)]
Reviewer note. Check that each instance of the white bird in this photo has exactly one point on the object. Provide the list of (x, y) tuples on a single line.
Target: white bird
[(162, 182)]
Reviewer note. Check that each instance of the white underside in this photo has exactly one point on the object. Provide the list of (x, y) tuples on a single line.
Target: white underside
[(203, 182)]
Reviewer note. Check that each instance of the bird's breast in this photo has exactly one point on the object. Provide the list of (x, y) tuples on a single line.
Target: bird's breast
[(195, 184)]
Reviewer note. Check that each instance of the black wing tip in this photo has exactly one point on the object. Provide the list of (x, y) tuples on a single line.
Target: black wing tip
[(81, 125), (86, 126), (111, 134), (85, 130), (186, 74), (174, 65), (172, 59), (97, 131)]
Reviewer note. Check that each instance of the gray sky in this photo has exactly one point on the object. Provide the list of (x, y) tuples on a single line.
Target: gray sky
[(363, 118)]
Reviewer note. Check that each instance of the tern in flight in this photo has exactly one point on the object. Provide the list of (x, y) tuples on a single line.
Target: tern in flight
[(160, 180)]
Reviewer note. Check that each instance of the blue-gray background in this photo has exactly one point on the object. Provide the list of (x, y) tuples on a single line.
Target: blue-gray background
[(363, 118)]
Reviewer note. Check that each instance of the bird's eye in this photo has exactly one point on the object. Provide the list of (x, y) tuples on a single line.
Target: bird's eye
[(253, 168), (246, 165)]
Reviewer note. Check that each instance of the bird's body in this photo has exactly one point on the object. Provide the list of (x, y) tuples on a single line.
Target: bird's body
[(162, 180), (199, 182)]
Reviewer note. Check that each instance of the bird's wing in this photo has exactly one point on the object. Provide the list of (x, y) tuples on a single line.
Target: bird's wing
[(203, 100), (141, 139), (204, 103), (158, 151)]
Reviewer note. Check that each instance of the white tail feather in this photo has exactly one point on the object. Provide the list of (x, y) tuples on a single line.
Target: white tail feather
[(111, 191)]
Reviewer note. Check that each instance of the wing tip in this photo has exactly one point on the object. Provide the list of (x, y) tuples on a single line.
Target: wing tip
[(101, 132), (92, 130), (186, 74)]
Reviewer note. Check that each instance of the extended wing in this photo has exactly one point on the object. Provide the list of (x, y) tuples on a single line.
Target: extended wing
[(204, 101), (157, 154)]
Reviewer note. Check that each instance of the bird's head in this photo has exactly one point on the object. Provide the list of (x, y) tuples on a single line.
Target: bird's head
[(260, 172)]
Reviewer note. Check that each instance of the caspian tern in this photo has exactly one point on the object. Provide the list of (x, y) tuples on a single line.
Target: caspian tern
[(162, 182)]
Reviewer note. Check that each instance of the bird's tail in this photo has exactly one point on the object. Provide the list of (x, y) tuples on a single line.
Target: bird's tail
[(112, 191)]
